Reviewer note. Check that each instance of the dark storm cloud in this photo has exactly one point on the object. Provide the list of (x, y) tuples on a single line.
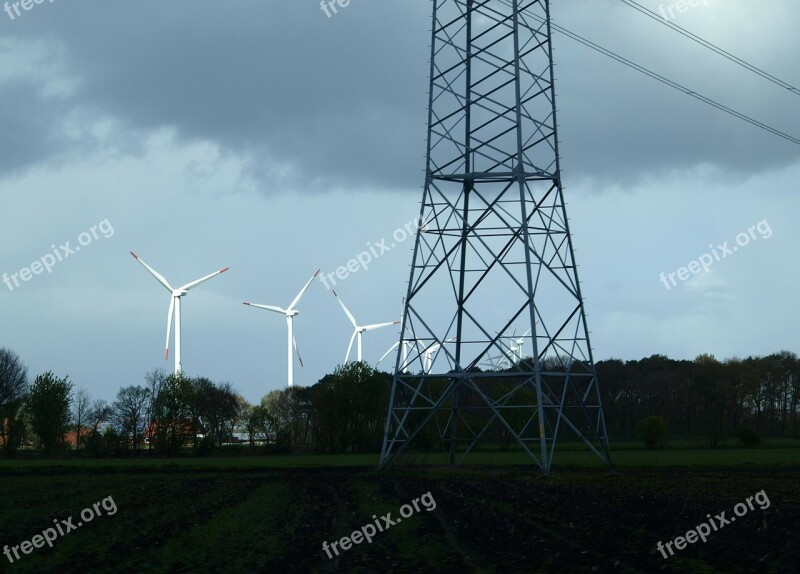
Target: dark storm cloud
[(618, 124), (341, 101)]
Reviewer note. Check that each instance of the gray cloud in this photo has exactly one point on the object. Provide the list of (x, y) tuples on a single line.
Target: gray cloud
[(340, 102)]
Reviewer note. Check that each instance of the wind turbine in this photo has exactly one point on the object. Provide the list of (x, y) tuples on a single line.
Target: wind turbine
[(496, 363), (429, 352), (175, 307), (516, 344), (514, 354), (406, 346), (290, 312), (359, 330)]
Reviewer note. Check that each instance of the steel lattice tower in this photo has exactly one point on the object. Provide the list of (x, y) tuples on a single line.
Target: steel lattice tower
[(493, 268)]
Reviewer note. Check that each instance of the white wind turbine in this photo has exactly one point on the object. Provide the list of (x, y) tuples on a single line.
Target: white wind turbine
[(496, 363), (359, 330), (430, 351), (516, 344), (175, 307), (290, 312), (514, 347), (429, 356), (407, 344)]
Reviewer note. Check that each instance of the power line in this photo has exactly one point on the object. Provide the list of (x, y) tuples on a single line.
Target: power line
[(705, 43), (659, 77)]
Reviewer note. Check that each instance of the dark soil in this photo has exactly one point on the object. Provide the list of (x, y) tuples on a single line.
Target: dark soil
[(503, 520)]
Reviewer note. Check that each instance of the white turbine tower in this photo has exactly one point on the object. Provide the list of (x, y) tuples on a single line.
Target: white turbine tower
[(175, 307), (359, 330), (290, 312)]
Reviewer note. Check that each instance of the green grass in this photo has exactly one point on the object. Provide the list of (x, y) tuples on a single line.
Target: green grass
[(234, 462), (623, 455)]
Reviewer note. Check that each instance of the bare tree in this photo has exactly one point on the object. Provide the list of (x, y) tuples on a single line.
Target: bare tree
[(13, 390), (98, 413), (80, 409), (129, 411), (155, 382), (238, 421), (13, 377), (218, 409)]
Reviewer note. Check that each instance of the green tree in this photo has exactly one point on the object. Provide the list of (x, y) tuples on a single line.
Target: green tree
[(263, 426), (277, 413), (48, 405), (174, 415), (350, 407), (713, 396)]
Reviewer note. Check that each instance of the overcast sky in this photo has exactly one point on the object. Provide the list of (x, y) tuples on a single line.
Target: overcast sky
[(265, 136)]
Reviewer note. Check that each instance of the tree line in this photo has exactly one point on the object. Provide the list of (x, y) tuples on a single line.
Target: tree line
[(346, 410), (704, 398), (172, 413)]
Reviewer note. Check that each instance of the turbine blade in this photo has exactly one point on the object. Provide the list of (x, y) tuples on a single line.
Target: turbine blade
[(203, 279), (392, 348), (417, 348), (303, 290), (379, 325), (350, 346), (346, 310), (294, 343), (267, 307), (169, 325), (153, 272)]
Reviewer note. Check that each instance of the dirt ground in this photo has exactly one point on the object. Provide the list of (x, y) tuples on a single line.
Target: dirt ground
[(485, 520)]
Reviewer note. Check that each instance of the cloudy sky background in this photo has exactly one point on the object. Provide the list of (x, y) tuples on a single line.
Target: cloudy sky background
[(265, 136)]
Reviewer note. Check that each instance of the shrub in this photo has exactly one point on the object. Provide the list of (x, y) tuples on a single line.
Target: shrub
[(748, 437), (653, 431), (206, 446)]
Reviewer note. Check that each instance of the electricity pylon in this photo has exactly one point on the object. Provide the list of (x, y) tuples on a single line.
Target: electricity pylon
[(493, 254)]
